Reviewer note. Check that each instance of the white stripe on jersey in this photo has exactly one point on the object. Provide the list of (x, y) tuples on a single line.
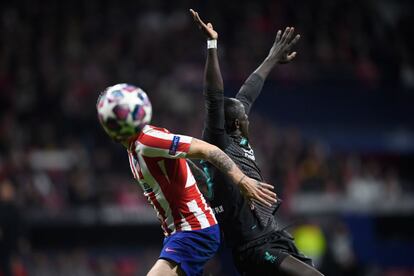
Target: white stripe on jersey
[(132, 165), (185, 226), (158, 194), (198, 213), (166, 136), (157, 152), (206, 206), (190, 177)]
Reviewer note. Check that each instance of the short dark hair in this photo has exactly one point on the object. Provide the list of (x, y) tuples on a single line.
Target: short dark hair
[(232, 110)]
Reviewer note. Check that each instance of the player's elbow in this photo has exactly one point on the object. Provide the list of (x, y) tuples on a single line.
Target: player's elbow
[(200, 149)]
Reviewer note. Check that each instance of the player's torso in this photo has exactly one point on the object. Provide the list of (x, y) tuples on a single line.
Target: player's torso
[(170, 187), (242, 154), (232, 210)]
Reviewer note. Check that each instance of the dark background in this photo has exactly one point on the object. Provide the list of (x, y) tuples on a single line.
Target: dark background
[(334, 130)]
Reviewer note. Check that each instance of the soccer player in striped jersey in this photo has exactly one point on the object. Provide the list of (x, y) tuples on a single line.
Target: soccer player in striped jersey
[(250, 229), (158, 162)]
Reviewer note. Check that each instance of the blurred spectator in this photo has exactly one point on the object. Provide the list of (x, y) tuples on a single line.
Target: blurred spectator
[(10, 226), (340, 258)]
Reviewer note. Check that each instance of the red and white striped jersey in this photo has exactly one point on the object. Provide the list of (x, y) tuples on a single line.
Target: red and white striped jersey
[(157, 160)]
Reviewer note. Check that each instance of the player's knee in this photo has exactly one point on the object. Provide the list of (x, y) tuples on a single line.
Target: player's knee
[(164, 268)]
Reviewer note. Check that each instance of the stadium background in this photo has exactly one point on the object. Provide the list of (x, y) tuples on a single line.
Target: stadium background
[(334, 130)]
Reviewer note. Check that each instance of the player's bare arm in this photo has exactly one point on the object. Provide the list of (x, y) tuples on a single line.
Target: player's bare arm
[(280, 53), (251, 188), (206, 28), (213, 80)]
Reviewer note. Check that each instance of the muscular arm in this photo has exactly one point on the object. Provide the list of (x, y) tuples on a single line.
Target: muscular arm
[(213, 81), (214, 131), (250, 187)]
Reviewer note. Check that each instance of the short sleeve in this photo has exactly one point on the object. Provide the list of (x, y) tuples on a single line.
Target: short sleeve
[(157, 143)]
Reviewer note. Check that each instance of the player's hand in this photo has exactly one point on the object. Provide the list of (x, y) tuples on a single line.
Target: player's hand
[(206, 28), (281, 49), (259, 191)]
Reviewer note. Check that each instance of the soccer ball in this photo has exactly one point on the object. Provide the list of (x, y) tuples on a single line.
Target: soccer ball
[(123, 110)]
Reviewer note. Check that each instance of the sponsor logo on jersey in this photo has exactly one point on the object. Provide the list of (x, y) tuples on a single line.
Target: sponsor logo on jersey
[(218, 209), (249, 153)]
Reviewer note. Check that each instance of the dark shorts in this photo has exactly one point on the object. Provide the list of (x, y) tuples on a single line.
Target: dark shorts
[(264, 256), (192, 249)]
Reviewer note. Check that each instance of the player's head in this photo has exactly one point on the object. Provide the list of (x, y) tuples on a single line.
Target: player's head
[(123, 110), (236, 117)]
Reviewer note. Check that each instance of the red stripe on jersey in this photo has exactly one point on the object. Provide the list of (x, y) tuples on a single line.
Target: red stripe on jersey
[(175, 192), (205, 208), (168, 187), (156, 142), (195, 194), (191, 218), (160, 210), (179, 191), (132, 165)]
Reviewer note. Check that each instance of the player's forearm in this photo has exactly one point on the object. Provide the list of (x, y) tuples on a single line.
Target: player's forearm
[(213, 81), (223, 162), (203, 150), (248, 186)]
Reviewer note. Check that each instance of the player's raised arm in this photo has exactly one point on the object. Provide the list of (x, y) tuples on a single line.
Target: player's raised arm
[(214, 131), (280, 53), (250, 188), (213, 81)]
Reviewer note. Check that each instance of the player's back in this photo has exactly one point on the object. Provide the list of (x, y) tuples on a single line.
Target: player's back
[(157, 160)]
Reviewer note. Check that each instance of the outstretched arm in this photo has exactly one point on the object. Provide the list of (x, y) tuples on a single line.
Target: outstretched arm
[(251, 188), (214, 131), (279, 53)]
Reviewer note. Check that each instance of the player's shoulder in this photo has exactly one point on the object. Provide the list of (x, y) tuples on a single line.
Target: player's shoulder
[(154, 131), (149, 129)]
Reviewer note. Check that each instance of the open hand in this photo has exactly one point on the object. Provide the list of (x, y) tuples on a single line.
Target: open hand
[(259, 191), (206, 28), (281, 49)]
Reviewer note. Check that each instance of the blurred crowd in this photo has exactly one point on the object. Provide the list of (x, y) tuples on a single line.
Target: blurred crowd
[(55, 57)]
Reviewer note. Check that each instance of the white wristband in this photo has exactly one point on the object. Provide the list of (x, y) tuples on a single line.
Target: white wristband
[(212, 44)]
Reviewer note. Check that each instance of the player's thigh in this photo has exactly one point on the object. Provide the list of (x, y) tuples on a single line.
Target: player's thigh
[(165, 268), (290, 266)]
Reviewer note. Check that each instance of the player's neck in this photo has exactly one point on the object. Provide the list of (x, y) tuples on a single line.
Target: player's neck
[(237, 133)]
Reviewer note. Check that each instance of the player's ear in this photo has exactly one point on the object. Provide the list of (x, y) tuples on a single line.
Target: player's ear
[(237, 123)]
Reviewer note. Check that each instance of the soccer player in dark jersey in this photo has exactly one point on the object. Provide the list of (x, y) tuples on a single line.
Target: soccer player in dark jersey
[(250, 229)]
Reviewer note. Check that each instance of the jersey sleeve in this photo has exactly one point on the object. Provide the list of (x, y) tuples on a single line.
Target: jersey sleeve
[(214, 120), (250, 90), (155, 143)]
